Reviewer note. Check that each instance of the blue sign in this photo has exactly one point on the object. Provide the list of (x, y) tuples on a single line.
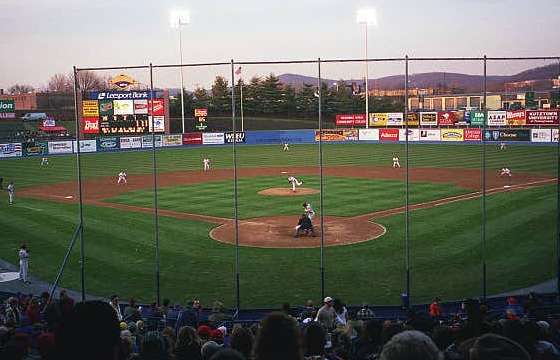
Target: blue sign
[(280, 137), (108, 143)]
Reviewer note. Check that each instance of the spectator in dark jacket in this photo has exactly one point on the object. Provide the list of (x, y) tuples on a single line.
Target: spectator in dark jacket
[(188, 344)]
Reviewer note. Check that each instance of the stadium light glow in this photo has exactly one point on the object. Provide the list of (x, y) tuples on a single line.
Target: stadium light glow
[(177, 18), (367, 16)]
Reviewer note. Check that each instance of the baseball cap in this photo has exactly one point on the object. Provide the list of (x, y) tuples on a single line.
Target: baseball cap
[(327, 299)]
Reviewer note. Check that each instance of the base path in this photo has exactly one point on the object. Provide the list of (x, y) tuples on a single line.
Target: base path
[(277, 231)]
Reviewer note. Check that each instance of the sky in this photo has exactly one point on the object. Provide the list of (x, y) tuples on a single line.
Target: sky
[(42, 37)]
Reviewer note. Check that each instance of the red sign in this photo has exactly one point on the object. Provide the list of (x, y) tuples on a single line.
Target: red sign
[(156, 108), (389, 134), (200, 112), (90, 125), (351, 120), (472, 135), (542, 117), (516, 117), (446, 118), (192, 138)]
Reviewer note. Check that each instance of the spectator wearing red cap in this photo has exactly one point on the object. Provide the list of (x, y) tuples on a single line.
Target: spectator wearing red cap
[(204, 332)]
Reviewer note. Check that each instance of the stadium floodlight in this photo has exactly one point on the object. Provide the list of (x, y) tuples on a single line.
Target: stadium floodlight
[(367, 17), (177, 19)]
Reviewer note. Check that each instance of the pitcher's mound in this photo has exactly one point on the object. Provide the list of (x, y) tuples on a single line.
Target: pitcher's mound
[(287, 192)]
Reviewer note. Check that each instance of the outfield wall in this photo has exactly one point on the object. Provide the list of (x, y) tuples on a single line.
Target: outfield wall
[(535, 136)]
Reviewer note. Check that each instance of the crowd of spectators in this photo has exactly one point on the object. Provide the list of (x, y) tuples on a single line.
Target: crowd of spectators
[(48, 329)]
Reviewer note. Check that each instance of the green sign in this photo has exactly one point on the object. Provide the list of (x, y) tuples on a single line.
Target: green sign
[(7, 106), (476, 118)]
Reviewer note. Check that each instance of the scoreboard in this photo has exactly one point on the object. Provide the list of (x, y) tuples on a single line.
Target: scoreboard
[(122, 112)]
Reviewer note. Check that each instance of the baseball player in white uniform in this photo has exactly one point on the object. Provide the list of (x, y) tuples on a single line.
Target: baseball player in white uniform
[(44, 161), (285, 147), (23, 263), (502, 146), (206, 164), (505, 172), (396, 163), (295, 182), (11, 191), (308, 210), (122, 178)]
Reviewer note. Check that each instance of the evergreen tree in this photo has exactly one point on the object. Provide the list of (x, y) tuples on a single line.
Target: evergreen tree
[(221, 96)]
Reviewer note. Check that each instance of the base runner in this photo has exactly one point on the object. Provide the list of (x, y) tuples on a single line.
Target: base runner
[(295, 182)]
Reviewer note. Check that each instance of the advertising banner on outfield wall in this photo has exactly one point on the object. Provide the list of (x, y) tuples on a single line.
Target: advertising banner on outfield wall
[(472, 134), (123, 107), (496, 118), (11, 150), (156, 107), (428, 119), (280, 137), (239, 137), (338, 135), (368, 135), (108, 143), (508, 135), (86, 146), (543, 117), (446, 118), (35, 148), (388, 134), (395, 119), (60, 147), (90, 108), (172, 140), (213, 138), (541, 135), (349, 120), (429, 135), (194, 138), (554, 135), (7, 109), (413, 119), (413, 135), (106, 107), (131, 142), (140, 107), (516, 118), (475, 118), (90, 125), (147, 141), (451, 134), (159, 123), (378, 119)]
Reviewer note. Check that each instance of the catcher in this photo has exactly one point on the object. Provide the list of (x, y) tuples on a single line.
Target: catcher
[(304, 226)]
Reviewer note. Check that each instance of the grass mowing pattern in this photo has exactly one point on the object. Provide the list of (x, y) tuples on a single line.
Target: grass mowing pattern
[(343, 196)]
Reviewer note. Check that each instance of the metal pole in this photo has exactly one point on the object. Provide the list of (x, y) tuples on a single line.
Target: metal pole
[(485, 110), (181, 72), (154, 173), (558, 196), (235, 208), (322, 221), (407, 200), (241, 96), (80, 200), (367, 76), (64, 262)]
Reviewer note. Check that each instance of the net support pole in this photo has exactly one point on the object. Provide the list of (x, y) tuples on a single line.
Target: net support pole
[(407, 200), (235, 194), (483, 230), (558, 193), (321, 180), (79, 174), (154, 174)]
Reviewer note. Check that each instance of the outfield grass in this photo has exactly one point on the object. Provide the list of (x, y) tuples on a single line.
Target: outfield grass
[(445, 241)]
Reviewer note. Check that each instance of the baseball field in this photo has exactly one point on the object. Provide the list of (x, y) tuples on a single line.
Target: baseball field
[(364, 221)]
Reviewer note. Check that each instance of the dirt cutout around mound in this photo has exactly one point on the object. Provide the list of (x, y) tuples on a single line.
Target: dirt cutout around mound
[(288, 192), (277, 231)]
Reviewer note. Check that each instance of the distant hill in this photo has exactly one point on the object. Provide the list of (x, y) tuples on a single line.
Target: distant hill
[(467, 83)]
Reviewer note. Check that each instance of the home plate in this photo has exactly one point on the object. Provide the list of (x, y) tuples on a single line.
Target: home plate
[(8, 276), (506, 186), (283, 172), (69, 197)]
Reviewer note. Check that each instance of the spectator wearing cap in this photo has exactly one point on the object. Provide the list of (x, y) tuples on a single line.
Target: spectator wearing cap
[(204, 332), (114, 302), (326, 314), (279, 338), (410, 345)]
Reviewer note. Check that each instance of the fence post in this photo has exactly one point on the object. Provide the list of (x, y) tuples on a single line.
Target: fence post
[(407, 200), (235, 195), (322, 221), (485, 110)]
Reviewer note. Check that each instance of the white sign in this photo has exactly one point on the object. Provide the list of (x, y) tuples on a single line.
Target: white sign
[(497, 118), (10, 150), (429, 135), (147, 141), (60, 147), (159, 123), (428, 118), (368, 134), (554, 135), (395, 119), (123, 107), (541, 135), (86, 146), (213, 138), (131, 142), (173, 140), (413, 134), (141, 107)]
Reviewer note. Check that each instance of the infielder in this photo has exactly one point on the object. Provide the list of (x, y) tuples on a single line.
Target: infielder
[(502, 146), (308, 210), (505, 172), (286, 147), (396, 163), (44, 161), (122, 178), (206, 164), (23, 263), (292, 180), (11, 191)]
